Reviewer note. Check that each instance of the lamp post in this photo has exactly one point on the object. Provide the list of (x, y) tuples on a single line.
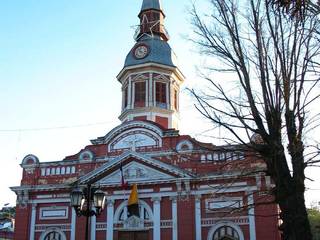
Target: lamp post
[(82, 199)]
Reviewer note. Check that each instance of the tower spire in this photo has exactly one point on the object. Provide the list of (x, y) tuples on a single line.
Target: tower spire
[(152, 20), (151, 78), (151, 4)]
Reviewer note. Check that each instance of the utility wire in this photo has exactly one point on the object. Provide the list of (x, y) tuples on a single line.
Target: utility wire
[(54, 128)]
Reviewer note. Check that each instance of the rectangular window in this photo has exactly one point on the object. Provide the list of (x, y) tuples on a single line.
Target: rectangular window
[(175, 100), (140, 94), (161, 94), (125, 97)]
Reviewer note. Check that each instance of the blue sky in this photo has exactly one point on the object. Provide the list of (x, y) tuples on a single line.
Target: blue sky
[(58, 65)]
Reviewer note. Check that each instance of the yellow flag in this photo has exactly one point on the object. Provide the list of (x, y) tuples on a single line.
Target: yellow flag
[(133, 199)]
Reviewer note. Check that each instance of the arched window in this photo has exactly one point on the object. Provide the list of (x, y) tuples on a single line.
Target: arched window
[(145, 211), (53, 234), (225, 230), (225, 233)]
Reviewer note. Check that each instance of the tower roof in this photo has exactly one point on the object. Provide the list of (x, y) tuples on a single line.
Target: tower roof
[(151, 4), (159, 52)]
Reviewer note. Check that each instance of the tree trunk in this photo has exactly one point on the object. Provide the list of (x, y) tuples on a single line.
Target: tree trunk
[(294, 215), (289, 195)]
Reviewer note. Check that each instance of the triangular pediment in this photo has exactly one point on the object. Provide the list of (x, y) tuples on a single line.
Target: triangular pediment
[(135, 172), (136, 167)]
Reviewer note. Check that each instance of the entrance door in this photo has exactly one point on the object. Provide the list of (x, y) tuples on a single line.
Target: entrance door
[(141, 235)]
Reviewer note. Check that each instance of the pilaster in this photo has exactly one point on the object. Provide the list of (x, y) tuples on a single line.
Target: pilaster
[(110, 214), (252, 224), (73, 224), (174, 218), (156, 218), (198, 217), (33, 221)]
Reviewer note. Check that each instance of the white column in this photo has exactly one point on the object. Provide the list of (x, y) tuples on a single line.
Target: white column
[(174, 218), (110, 213), (93, 226), (130, 93), (252, 223), (156, 219), (151, 93), (73, 224), (33, 221), (198, 217)]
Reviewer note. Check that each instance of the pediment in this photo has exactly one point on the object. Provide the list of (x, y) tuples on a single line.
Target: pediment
[(135, 172), (136, 167)]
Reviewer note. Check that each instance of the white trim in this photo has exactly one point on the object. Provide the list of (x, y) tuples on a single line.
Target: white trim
[(198, 217), (73, 224), (175, 70), (228, 224), (252, 224), (110, 215), (33, 221), (129, 191), (93, 226), (125, 203), (166, 189), (184, 142), (174, 219), (65, 209), (156, 219)]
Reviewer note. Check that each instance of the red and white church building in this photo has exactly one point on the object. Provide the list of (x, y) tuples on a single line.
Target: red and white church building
[(188, 190)]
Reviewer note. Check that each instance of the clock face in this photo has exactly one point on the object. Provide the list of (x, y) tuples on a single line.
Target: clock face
[(141, 51)]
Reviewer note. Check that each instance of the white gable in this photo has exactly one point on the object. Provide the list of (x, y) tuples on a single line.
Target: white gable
[(135, 172)]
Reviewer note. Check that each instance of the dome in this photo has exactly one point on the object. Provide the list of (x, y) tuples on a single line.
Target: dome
[(159, 51)]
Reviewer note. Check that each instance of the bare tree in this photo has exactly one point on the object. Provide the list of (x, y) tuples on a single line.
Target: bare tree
[(298, 8), (273, 95)]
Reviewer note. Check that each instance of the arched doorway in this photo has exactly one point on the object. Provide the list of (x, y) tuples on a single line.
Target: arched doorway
[(53, 234), (133, 227)]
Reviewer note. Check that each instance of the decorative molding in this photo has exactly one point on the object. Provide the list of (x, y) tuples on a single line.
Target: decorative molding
[(86, 155), (223, 204), (184, 145), (166, 223), (66, 227), (114, 164), (54, 212), (127, 127), (208, 222), (30, 161), (135, 172)]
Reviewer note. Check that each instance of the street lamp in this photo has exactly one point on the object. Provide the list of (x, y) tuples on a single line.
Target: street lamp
[(81, 201)]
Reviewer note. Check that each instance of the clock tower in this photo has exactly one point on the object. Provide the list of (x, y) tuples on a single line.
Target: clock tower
[(150, 77)]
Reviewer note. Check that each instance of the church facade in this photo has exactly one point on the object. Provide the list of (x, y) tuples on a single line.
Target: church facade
[(187, 190)]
